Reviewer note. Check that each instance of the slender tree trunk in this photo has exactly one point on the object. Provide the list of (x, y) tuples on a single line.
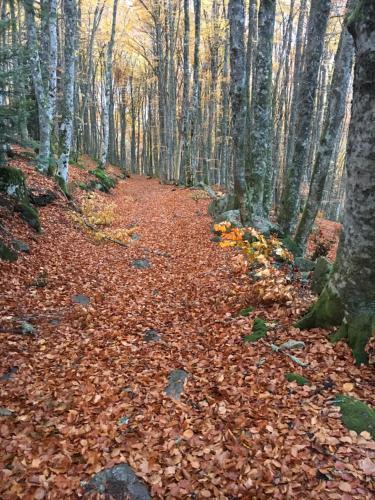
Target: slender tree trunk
[(196, 105), (330, 135), (185, 169), (315, 42), (349, 297), (133, 158), (66, 128), (42, 90), (108, 91), (295, 103), (224, 122)]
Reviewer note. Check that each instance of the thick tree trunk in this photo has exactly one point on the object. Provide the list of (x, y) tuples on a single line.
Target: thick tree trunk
[(349, 297), (330, 135), (260, 178), (315, 42), (66, 128), (236, 14)]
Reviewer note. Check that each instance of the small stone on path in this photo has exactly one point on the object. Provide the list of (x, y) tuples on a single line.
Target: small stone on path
[(21, 246), (141, 264), (151, 336), (81, 299), (292, 344), (176, 382), (8, 375), (4, 412), (120, 482), (27, 328)]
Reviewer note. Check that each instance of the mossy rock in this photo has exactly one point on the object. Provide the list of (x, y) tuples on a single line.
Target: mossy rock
[(356, 415), (106, 181), (223, 204), (296, 377), (246, 311), (12, 183), (29, 215), (258, 332), (7, 253)]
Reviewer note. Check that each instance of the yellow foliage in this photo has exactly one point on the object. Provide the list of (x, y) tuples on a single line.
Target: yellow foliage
[(255, 246), (97, 217), (98, 213)]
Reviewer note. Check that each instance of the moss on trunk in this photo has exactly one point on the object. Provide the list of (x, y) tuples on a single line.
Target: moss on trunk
[(12, 183), (357, 331), (326, 312)]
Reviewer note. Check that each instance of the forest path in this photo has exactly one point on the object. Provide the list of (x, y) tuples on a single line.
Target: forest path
[(88, 391)]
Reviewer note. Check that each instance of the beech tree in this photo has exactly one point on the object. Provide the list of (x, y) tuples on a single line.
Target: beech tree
[(330, 134), (108, 91), (66, 127), (348, 300), (260, 169), (43, 62), (309, 81)]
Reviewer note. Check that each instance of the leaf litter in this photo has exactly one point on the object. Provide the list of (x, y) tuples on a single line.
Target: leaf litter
[(237, 431)]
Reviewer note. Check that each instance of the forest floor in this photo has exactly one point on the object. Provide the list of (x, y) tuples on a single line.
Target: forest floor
[(86, 391)]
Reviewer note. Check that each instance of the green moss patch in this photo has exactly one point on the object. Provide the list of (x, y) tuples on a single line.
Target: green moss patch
[(12, 183), (106, 181), (296, 377), (258, 332), (29, 215), (357, 332), (327, 311), (7, 253), (356, 415), (246, 311), (292, 246)]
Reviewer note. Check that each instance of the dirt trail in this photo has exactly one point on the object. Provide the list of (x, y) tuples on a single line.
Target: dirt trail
[(88, 391)]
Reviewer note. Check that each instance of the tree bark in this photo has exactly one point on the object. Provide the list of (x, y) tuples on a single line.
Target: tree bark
[(66, 128), (349, 297), (330, 135), (196, 104), (108, 91), (260, 178), (236, 14), (44, 91), (315, 42), (185, 169)]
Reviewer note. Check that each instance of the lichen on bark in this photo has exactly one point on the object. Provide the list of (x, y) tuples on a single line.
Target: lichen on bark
[(348, 300)]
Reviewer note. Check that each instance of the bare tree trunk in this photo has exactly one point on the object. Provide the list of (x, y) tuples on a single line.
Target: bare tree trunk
[(297, 72), (108, 91), (196, 105), (44, 91), (66, 128), (315, 42), (185, 169), (236, 14), (260, 178), (330, 135)]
